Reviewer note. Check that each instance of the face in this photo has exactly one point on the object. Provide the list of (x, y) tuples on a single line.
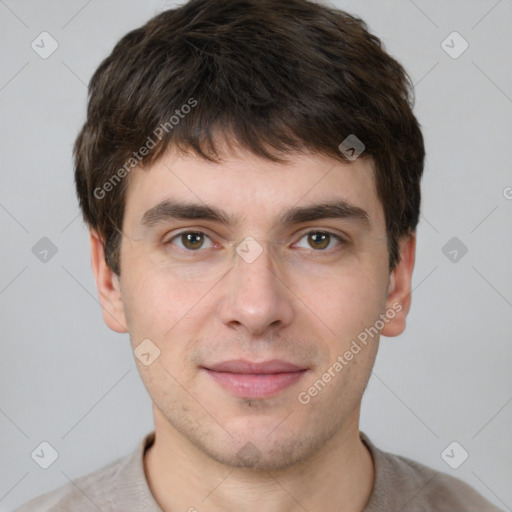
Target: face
[(261, 290)]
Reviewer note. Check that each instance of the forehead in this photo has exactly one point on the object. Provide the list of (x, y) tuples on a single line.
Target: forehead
[(249, 188)]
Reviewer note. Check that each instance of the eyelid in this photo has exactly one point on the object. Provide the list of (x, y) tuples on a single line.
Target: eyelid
[(340, 236), (183, 231)]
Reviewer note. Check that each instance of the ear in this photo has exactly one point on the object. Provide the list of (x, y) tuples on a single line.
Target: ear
[(109, 287), (399, 289)]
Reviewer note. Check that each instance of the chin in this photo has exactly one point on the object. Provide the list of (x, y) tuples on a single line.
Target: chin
[(264, 457), (266, 444)]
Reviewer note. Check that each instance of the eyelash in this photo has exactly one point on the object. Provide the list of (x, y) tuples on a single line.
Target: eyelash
[(340, 240)]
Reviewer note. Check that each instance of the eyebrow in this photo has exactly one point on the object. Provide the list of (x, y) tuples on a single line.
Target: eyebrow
[(171, 209)]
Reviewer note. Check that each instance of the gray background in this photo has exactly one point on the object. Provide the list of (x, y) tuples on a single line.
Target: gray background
[(68, 380)]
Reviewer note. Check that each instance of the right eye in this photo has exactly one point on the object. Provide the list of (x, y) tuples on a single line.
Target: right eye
[(190, 241)]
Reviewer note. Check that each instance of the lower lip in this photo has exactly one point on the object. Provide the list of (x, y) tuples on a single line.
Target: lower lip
[(255, 385)]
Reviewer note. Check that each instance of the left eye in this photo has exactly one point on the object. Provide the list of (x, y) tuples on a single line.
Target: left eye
[(320, 240)]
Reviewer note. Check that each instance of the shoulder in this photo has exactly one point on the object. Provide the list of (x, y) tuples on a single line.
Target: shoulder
[(108, 489), (83, 494), (411, 486), (440, 491)]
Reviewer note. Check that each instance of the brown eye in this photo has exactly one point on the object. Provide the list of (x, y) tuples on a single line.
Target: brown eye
[(321, 240), (190, 241)]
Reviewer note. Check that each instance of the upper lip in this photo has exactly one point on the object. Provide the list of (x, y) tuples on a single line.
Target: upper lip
[(248, 367)]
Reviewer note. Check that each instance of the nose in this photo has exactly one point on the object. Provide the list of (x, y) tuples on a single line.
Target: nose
[(254, 296)]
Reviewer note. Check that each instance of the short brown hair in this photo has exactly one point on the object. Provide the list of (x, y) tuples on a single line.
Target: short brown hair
[(275, 76)]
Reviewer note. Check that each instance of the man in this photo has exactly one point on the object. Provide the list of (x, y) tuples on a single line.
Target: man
[(250, 174)]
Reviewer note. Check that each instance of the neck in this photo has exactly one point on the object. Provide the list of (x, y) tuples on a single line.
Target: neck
[(339, 477)]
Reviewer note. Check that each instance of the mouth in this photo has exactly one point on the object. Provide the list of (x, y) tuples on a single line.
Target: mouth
[(246, 379)]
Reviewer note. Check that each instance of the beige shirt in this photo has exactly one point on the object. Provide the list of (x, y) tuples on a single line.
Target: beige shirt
[(401, 485)]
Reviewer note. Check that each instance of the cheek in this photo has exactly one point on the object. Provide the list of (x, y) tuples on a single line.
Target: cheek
[(158, 299), (347, 303), (169, 313)]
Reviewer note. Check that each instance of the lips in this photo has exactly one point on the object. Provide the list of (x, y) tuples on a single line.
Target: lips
[(247, 367), (246, 379)]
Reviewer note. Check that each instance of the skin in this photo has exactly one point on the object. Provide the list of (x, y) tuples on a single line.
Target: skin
[(215, 451)]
